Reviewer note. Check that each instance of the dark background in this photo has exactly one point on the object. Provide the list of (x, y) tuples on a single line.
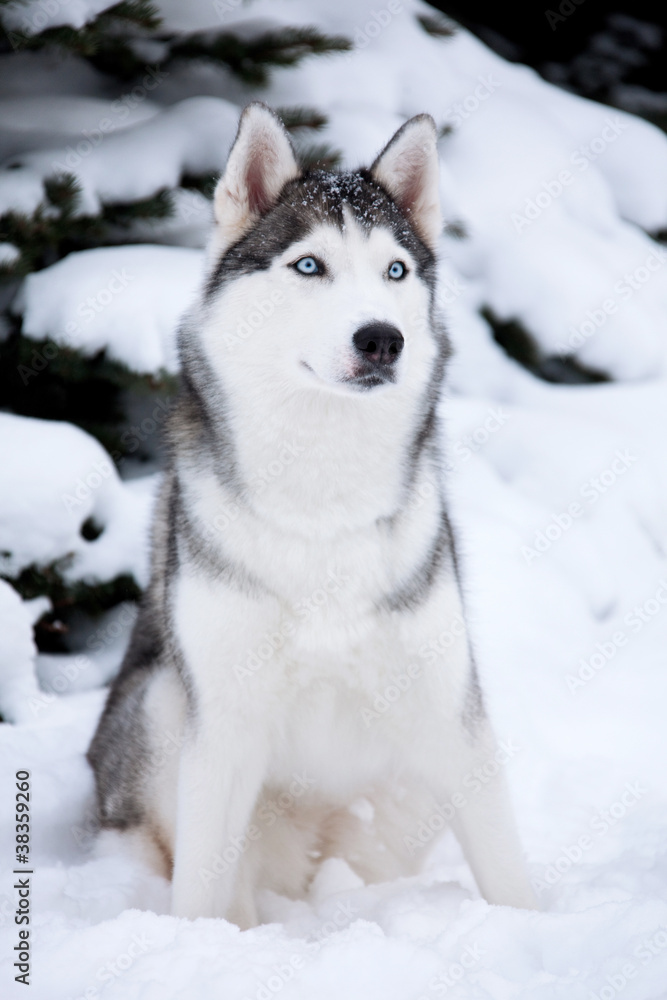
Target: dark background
[(614, 52)]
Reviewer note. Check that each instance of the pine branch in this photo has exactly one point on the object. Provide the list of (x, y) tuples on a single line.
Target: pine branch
[(68, 598), (115, 56), (139, 15), (55, 229), (63, 192), (249, 59), (301, 117), (320, 156), (520, 344), (52, 231), (437, 25), (456, 230), (123, 214), (50, 381), (35, 581), (204, 183)]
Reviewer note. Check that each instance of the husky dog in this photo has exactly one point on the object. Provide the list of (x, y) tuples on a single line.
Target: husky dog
[(285, 697)]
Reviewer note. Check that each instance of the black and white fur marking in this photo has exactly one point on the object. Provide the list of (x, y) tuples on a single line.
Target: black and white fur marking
[(294, 576)]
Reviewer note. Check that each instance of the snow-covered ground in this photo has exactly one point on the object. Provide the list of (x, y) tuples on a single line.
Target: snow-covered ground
[(559, 492)]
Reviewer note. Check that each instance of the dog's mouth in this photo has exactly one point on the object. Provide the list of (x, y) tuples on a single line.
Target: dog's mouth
[(370, 379), (362, 379)]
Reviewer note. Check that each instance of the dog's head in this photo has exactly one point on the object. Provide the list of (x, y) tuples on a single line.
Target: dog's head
[(321, 279)]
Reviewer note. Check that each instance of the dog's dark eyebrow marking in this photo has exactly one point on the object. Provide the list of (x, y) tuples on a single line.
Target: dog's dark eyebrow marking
[(259, 247), (315, 197)]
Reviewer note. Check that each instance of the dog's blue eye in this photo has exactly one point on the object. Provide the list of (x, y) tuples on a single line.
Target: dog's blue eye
[(396, 270), (307, 265)]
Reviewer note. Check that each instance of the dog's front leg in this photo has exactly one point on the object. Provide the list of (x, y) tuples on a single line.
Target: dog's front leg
[(225, 755), (469, 778), (483, 821), (221, 774)]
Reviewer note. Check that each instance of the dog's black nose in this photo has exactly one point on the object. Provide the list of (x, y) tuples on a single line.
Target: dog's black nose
[(380, 343)]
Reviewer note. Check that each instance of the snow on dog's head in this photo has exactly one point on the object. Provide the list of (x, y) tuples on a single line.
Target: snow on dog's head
[(325, 280)]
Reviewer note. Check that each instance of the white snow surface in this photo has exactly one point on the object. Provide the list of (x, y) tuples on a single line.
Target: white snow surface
[(9, 254), (194, 136), (56, 477), (68, 115), (560, 498), (17, 653), (32, 122), (126, 300)]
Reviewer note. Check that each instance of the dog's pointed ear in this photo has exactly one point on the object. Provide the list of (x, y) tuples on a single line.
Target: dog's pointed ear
[(260, 163), (408, 169)]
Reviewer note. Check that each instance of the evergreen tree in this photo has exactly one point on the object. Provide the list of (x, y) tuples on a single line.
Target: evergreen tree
[(43, 378)]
